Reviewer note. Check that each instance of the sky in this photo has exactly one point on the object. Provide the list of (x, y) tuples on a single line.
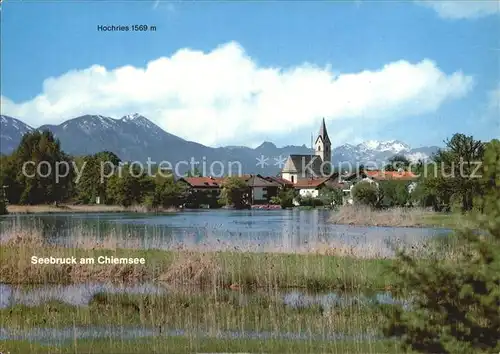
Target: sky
[(244, 72)]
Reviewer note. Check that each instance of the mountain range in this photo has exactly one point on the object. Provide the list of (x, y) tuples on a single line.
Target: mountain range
[(136, 138)]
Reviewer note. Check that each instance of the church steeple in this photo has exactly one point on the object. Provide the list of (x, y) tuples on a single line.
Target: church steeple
[(323, 133), (323, 145)]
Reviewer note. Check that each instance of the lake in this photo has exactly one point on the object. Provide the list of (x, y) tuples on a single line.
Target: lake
[(296, 314), (253, 230)]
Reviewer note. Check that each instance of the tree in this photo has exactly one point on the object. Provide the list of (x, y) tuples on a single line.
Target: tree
[(394, 193), (458, 168), (330, 196), (91, 183), (309, 201), (455, 303), (167, 193), (194, 173), (129, 186), (365, 193), (44, 172), (397, 162), (235, 193), (431, 191), (8, 178), (285, 198), (3, 204)]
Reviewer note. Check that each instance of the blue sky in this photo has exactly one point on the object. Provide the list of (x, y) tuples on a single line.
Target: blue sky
[(242, 72)]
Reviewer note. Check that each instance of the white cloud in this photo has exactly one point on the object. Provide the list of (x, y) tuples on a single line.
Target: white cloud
[(494, 99), (462, 9), (225, 97), (166, 4), (493, 114)]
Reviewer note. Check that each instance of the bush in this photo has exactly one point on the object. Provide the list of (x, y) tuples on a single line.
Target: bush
[(286, 197), (365, 193), (331, 196), (3, 206), (310, 201), (235, 193), (455, 303), (394, 194)]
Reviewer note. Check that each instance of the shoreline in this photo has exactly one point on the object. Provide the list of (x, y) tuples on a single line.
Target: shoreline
[(14, 209), (397, 218), (350, 216)]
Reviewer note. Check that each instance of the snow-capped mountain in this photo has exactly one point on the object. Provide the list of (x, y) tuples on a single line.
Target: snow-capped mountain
[(393, 146), (11, 132), (135, 138), (379, 152), (132, 137)]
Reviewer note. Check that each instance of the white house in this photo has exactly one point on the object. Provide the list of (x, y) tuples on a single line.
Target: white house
[(310, 187)]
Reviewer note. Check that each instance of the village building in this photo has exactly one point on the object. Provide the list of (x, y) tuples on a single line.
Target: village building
[(310, 187), (260, 189), (203, 192), (317, 165), (309, 173), (283, 183), (375, 176)]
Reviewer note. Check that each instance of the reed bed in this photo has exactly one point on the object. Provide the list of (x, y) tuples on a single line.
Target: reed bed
[(215, 293), (203, 312), (311, 270), (362, 215), (182, 345), (80, 208), (329, 265)]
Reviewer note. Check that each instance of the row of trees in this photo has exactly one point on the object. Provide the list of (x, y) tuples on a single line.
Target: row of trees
[(47, 179), (385, 194), (451, 179), (39, 172)]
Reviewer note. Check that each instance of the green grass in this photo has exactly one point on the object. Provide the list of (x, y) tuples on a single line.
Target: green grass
[(447, 220), (215, 269), (221, 311), (180, 345)]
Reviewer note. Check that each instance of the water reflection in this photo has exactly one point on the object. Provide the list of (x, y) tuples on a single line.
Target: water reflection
[(74, 294), (58, 336), (299, 299), (254, 230), (81, 294)]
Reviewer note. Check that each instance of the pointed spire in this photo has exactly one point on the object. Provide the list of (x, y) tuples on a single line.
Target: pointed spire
[(322, 132)]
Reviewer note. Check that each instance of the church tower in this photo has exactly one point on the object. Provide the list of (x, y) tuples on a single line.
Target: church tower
[(323, 146)]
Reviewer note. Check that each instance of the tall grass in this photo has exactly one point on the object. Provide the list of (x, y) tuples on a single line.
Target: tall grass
[(208, 292), (334, 268), (362, 215), (81, 208), (397, 217)]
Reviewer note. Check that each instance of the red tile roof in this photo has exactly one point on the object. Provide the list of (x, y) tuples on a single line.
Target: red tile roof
[(217, 182), (310, 182), (203, 182), (337, 184), (280, 180), (391, 175)]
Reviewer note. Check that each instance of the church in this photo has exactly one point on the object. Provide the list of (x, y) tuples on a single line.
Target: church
[(319, 164)]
